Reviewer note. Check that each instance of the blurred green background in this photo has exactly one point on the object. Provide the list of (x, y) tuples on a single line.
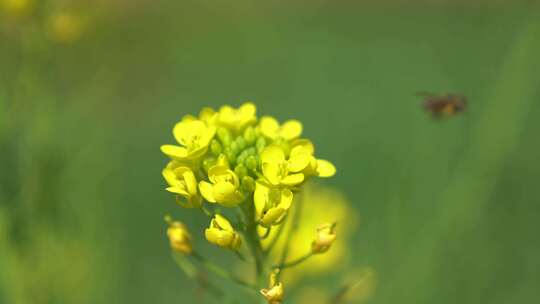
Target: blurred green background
[(449, 208)]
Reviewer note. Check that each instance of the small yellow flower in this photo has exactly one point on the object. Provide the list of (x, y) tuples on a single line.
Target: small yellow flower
[(237, 119), (316, 167), (222, 233), (65, 27), (17, 8), (207, 114), (289, 130), (275, 292), (194, 136), (224, 186), (279, 171), (271, 204), (182, 181), (179, 237), (326, 236)]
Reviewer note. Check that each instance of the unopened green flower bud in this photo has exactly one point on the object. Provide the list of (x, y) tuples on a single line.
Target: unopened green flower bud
[(248, 183), (234, 147), (224, 136), (261, 143), (241, 142), (241, 158), (215, 147), (229, 153), (240, 171), (208, 162), (251, 163), (250, 136)]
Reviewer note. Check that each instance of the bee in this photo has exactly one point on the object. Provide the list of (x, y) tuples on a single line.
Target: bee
[(443, 105)]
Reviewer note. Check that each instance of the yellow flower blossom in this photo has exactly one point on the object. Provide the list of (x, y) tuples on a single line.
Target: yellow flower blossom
[(65, 27), (271, 128), (275, 292), (271, 204), (223, 187), (326, 236), (182, 181), (237, 119), (16, 8), (222, 233), (316, 167), (179, 237), (194, 136), (279, 171)]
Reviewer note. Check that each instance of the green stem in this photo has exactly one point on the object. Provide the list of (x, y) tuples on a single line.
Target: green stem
[(252, 238), (294, 262), (294, 226), (222, 272), (191, 271)]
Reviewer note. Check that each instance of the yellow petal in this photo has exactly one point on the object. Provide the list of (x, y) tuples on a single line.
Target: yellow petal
[(272, 154), (269, 127), (293, 179), (272, 216), (271, 173), (225, 193), (207, 191), (260, 198), (286, 199), (170, 177), (175, 152), (304, 143), (291, 129), (299, 160), (223, 223), (184, 131), (191, 182), (178, 190), (247, 109), (325, 168)]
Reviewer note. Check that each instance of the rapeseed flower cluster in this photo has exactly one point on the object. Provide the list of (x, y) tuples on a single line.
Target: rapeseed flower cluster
[(230, 160)]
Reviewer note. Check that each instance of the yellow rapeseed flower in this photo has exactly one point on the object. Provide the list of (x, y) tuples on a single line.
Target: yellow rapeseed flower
[(16, 8), (65, 27), (316, 167), (222, 233), (194, 136), (182, 181), (179, 237), (223, 187), (271, 128), (237, 119), (275, 292), (281, 171), (326, 236), (271, 204)]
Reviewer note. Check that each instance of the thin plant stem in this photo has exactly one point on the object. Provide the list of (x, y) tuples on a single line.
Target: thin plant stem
[(191, 271), (294, 226), (294, 262), (222, 272)]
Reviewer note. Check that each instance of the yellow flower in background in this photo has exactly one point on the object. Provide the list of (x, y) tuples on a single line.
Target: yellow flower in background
[(179, 237), (271, 128), (326, 236), (275, 292), (16, 8), (182, 181), (65, 27), (320, 204), (237, 119), (222, 233), (223, 187), (194, 136), (271, 204), (278, 170), (316, 167)]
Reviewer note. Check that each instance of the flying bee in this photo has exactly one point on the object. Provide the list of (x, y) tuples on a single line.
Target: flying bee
[(443, 105)]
